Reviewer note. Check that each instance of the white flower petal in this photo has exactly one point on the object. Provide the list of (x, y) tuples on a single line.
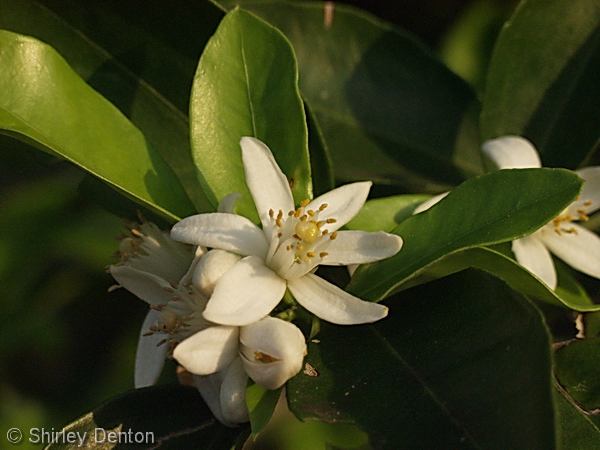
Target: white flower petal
[(343, 203), (233, 393), (581, 249), (361, 247), (211, 268), (429, 203), (144, 285), (268, 185), (222, 230), (272, 351), (532, 254), (590, 191), (209, 350), (332, 304), (149, 357), (245, 293), (512, 152), (198, 255)]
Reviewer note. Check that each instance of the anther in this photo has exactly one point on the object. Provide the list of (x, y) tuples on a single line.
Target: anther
[(173, 284), (303, 203), (320, 223), (310, 254), (279, 223), (300, 247), (311, 213), (304, 218), (271, 213), (333, 235), (323, 206), (161, 342), (279, 235), (331, 221), (323, 254), (298, 212), (114, 287), (136, 233), (280, 215), (149, 333), (297, 237)]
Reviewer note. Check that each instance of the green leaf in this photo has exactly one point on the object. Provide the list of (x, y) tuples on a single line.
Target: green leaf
[(577, 369), (261, 405), (246, 85), (170, 417), (568, 293), (386, 213), (320, 159), (377, 91), (489, 209), (141, 57), (44, 103), (576, 429), (462, 362), (543, 80)]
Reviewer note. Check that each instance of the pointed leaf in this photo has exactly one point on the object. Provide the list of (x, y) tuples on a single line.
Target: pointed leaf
[(376, 90), (489, 209), (44, 103), (246, 85)]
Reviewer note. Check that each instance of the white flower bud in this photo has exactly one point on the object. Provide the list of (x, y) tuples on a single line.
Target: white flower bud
[(211, 267)]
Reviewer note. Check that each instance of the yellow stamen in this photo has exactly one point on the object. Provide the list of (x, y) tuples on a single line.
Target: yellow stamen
[(303, 203)]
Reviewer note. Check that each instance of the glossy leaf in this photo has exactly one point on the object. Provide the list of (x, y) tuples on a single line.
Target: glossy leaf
[(543, 77), (44, 103), (464, 360), (246, 85), (141, 57), (489, 209), (168, 417), (377, 91), (568, 293)]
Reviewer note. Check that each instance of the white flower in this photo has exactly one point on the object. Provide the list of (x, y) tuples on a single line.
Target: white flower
[(158, 270), (221, 358), (574, 244), (288, 248)]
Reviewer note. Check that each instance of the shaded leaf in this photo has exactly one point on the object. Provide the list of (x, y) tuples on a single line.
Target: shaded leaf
[(246, 85), (478, 212), (377, 91), (577, 369), (170, 417), (577, 430), (44, 103), (464, 360), (386, 213), (543, 77)]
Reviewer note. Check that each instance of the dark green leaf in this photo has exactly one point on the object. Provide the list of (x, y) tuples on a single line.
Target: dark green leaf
[(44, 103), (543, 80), (246, 85), (140, 56), (577, 430), (320, 160), (577, 369), (170, 417), (489, 209), (462, 362), (377, 91)]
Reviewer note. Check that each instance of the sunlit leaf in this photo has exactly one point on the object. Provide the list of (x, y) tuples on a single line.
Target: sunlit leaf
[(44, 103), (489, 209), (246, 85)]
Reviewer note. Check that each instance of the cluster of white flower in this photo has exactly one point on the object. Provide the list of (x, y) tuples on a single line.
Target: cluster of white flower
[(210, 309)]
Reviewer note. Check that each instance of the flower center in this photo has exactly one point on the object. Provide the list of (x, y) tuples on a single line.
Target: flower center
[(299, 238)]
